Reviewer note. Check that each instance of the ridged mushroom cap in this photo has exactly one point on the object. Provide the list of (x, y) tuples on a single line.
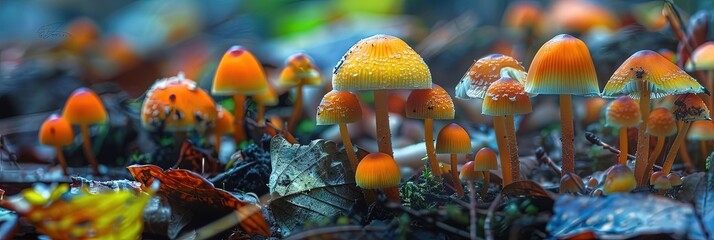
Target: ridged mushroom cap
[(239, 72), (562, 66), (434, 103), (468, 173), (485, 160), (453, 139), (338, 107), (377, 171)]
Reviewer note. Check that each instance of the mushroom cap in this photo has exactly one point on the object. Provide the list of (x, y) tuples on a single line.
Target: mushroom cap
[(485, 160), (482, 73), (381, 62), (176, 104), (506, 97), (376, 171), (267, 98), (674, 179), (655, 175), (689, 108), (239, 72), (702, 58), (663, 77), (623, 112), (56, 131), (523, 14), (453, 139), (661, 123), (593, 182), (592, 110), (434, 103), (701, 130), (662, 183), (562, 66), (468, 173), (571, 183), (619, 179), (224, 122), (84, 107), (83, 32), (338, 107), (299, 69), (581, 16)]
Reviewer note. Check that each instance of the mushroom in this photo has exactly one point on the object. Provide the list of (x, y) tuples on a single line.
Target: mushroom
[(485, 161), (593, 110), (624, 113), (57, 132), (702, 59), (660, 124), (674, 179), (687, 109), (223, 125), (239, 74), (341, 108), (453, 139), (298, 72), (468, 173), (379, 63), (702, 131), (580, 16), (475, 83), (571, 183), (619, 179), (267, 98), (430, 104), (661, 184), (647, 75), (506, 97), (379, 171), (656, 175), (84, 108), (563, 66)]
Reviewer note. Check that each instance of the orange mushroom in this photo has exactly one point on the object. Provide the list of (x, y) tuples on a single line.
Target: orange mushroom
[(223, 125), (267, 98), (430, 104), (468, 173), (661, 184), (177, 104), (341, 108), (57, 132), (82, 33), (485, 161), (298, 72), (453, 139), (702, 131), (623, 113), (687, 109), (660, 124), (84, 108), (674, 179), (702, 59), (619, 179), (580, 16), (379, 171)]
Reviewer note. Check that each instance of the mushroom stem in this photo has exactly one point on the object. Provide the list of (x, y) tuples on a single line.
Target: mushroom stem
[(62, 162), (653, 159), (669, 160), (392, 194), (684, 154), (499, 126), (513, 148), (384, 136), (455, 176), (429, 142), (239, 114), (486, 184), (567, 138), (261, 115), (349, 149), (217, 143), (87, 147), (623, 146), (297, 109), (703, 147), (643, 139)]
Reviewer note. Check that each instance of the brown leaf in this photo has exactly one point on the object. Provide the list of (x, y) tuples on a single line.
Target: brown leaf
[(527, 188)]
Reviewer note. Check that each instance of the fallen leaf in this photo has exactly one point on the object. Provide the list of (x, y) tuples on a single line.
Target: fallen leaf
[(527, 188)]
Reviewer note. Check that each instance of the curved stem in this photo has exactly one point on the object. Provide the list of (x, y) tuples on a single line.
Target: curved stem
[(239, 114), (513, 148), (622, 159), (669, 160), (499, 126), (261, 115), (297, 109), (384, 136), (486, 184), (217, 143), (684, 154), (455, 176), (392, 194), (653, 159), (87, 147), (567, 138), (643, 139), (429, 142), (62, 162), (349, 149)]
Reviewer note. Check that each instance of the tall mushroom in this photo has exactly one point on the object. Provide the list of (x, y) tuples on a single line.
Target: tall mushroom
[(485, 161), (702, 59), (703, 132), (379, 171), (223, 125), (239, 74), (57, 132), (380, 63), (453, 139), (430, 104), (84, 108), (341, 108), (623, 113), (298, 72), (660, 124), (687, 109), (562, 66), (647, 75)]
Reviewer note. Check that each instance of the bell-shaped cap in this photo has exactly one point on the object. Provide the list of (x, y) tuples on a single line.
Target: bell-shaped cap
[(702, 130), (661, 123), (522, 15), (468, 173), (434, 103), (619, 179), (224, 122), (674, 179), (485, 160), (581, 16), (239, 72), (453, 139), (662, 76), (299, 69), (506, 97), (624, 112), (84, 107), (482, 73), (56, 131), (562, 66), (690, 108), (377, 171), (381, 62), (338, 107), (177, 104), (661, 183), (702, 58)]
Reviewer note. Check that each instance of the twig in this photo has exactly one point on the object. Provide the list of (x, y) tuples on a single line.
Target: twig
[(472, 210), (221, 176), (440, 225), (595, 140), (544, 158), (487, 228), (334, 229)]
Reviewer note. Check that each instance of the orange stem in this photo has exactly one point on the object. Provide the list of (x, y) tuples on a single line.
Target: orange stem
[(623, 146), (392, 194), (384, 135), (455, 176), (568, 136), (669, 160), (653, 159), (261, 115), (349, 149), (239, 114), (87, 147), (643, 139), (499, 126), (62, 162), (297, 109), (217, 143), (429, 142), (513, 148), (486, 184)]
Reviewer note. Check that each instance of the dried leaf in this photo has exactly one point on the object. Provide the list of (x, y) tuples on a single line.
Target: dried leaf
[(308, 182), (527, 188), (187, 189)]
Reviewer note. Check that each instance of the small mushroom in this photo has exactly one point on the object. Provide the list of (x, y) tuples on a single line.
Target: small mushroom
[(702, 59), (623, 113), (379, 171), (341, 108), (454, 139), (430, 104), (299, 71), (57, 132), (468, 173), (674, 179), (485, 161), (223, 125), (702, 131), (660, 124), (687, 109), (84, 108), (619, 179), (661, 184)]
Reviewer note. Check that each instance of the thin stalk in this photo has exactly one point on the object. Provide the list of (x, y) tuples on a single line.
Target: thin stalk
[(62, 162), (455, 176), (513, 148), (486, 184), (239, 114), (653, 158), (297, 109), (384, 136), (429, 142), (669, 160), (217, 143), (261, 115), (643, 139), (623, 146), (87, 147), (567, 139), (347, 142), (392, 194), (499, 126), (472, 210)]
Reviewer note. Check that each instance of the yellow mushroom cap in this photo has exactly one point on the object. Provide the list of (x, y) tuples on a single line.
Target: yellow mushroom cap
[(453, 139), (176, 104), (571, 183), (674, 179), (506, 97), (619, 179), (267, 98), (299, 70), (661, 123), (224, 122), (377, 171), (56, 131), (239, 72), (468, 173), (338, 107), (381, 62), (689, 108), (434, 103), (562, 66), (623, 112), (482, 73), (701, 130), (662, 183), (84, 107), (662, 76), (485, 160), (702, 58)]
